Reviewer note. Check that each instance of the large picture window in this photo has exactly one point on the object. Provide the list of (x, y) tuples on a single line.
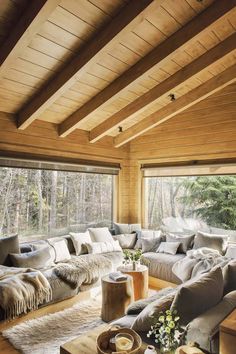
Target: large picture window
[(38, 203), (190, 203)]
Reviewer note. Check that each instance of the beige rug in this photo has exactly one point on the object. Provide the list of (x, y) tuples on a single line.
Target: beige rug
[(44, 335)]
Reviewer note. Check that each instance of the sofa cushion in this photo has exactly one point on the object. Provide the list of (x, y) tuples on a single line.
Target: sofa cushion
[(204, 329), (61, 251), (147, 234), (145, 320), (229, 275), (217, 242), (126, 228), (100, 234), (38, 245), (127, 241), (168, 247), (35, 259), (150, 244), (8, 245), (79, 239), (186, 242), (198, 295), (103, 247)]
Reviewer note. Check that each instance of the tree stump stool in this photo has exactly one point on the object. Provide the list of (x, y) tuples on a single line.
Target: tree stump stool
[(140, 279), (116, 297)]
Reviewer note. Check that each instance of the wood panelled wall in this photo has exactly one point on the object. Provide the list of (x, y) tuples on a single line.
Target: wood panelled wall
[(207, 131)]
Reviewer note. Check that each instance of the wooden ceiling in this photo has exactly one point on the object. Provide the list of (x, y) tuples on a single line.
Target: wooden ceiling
[(97, 65)]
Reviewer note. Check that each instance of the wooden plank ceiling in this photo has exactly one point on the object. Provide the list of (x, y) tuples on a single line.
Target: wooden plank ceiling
[(112, 67)]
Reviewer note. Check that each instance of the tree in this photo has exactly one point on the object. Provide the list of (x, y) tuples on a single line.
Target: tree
[(213, 198)]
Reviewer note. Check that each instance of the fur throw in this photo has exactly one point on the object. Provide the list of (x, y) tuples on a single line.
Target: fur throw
[(21, 290), (85, 269)]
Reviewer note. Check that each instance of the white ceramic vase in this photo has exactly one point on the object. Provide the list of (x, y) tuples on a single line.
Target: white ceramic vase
[(150, 350)]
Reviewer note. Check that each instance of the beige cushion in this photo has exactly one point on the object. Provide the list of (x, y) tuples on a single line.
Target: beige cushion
[(100, 234), (150, 244), (168, 247), (185, 241), (198, 295), (126, 240), (103, 247), (35, 259), (147, 234), (144, 320), (229, 275), (8, 245), (217, 242), (61, 251), (38, 245), (79, 239), (126, 228)]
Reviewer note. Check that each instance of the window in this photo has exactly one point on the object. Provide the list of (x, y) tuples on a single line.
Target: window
[(38, 203), (191, 203)]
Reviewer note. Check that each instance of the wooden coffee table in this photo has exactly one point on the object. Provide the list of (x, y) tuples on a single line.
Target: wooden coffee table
[(228, 334), (86, 344), (140, 279)]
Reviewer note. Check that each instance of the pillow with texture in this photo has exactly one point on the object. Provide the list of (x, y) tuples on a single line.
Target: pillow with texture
[(61, 251), (79, 239), (126, 228), (168, 247), (231, 252), (217, 242), (126, 240), (100, 234), (103, 247), (150, 244), (145, 320), (198, 295), (229, 275), (35, 259), (38, 245), (8, 245), (150, 234), (186, 242)]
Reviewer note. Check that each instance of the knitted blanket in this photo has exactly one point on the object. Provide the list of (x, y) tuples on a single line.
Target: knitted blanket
[(22, 290), (86, 269)]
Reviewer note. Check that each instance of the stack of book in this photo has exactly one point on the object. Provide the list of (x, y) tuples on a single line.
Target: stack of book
[(117, 276)]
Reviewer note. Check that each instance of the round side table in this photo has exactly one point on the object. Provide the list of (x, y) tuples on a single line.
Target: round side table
[(116, 297), (140, 279)]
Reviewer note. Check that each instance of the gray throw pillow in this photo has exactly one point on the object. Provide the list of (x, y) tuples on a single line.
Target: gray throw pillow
[(8, 245), (150, 244), (198, 295), (186, 242), (217, 242), (145, 319), (126, 240), (150, 234), (229, 275), (35, 259), (168, 247), (126, 228)]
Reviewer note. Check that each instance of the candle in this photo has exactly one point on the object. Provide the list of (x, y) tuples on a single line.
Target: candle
[(124, 342)]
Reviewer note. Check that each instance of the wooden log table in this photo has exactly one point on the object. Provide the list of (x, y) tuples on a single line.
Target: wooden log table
[(140, 279), (116, 297), (228, 334)]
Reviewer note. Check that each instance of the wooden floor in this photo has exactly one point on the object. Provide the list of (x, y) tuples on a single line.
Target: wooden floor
[(7, 348)]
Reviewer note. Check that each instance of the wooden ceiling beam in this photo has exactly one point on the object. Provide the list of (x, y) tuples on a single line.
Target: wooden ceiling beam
[(157, 57), (198, 94), (125, 21), (164, 88), (35, 14)]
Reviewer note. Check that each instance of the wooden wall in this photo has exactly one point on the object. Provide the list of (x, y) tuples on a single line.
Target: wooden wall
[(207, 131)]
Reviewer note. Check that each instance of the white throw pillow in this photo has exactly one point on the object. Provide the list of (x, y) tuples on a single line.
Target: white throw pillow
[(61, 250), (126, 228), (168, 247), (79, 239), (100, 234), (103, 247)]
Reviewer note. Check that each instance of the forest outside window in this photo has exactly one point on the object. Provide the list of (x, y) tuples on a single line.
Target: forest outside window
[(41, 203)]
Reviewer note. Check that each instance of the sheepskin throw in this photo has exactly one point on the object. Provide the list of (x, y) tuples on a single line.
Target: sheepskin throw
[(22, 290), (86, 269)]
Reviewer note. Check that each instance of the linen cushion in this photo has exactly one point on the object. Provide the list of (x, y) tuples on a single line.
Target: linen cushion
[(145, 320), (150, 244), (198, 295), (229, 275), (217, 242), (150, 234), (231, 252), (38, 245), (126, 228), (103, 247), (61, 251), (185, 241), (8, 245), (168, 247), (79, 239), (126, 240), (100, 234), (35, 259)]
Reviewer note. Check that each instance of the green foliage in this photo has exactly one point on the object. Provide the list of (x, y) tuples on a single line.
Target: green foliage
[(132, 256), (213, 198)]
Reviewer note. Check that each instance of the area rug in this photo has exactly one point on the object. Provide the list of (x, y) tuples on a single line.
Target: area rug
[(44, 335)]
